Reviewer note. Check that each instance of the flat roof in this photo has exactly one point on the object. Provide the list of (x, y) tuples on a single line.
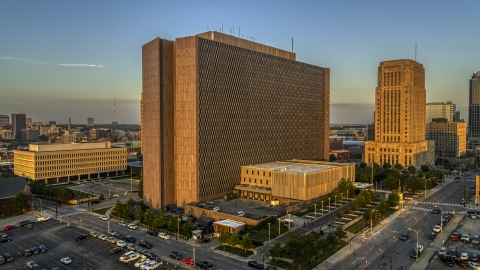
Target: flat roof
[(230, 223), (46, 147), (299, 166)]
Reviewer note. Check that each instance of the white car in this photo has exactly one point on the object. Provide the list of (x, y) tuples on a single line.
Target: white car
[(94, 234), (104, 218), (140, 262), (152, 265), (132, 226), (474, 265), (465, 256), (437, 229), (240, 214), (120, 243), (102, 237), (112, 233), (163, 236), (40, 219), (122, 223), (66, 260)]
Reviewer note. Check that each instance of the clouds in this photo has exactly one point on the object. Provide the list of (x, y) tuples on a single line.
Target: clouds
[(27, 60)]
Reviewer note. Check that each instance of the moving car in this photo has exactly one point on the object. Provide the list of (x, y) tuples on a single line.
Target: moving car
[(152, 232), (40, 219), (205, 265), (9, 227), (255, 264), (216, 209), (437, 229), (188, 261), (132, 226), (404, 237), (122, 223), (104, 218), (203, 240), (240, 213), (436, 211), (66, 260), (80, 237), (163, 236), (414, 252), (432, 236), (145, 244), (175, 255)]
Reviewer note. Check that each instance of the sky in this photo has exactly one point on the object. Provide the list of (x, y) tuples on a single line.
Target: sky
[(68, 59)]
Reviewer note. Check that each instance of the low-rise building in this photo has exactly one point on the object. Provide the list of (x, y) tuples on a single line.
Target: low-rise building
[(300, 180), (70, 161), (10, 188)]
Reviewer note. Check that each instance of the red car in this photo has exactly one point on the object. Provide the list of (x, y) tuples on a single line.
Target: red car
[(461, 263), (455, 236), (56, 204), (120, 236), (9, 227), (188, 261)]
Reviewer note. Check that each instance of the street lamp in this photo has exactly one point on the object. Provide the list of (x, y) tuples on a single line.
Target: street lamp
[(371, 221), (289, 221), (416, 248), (441, 218), (341, 198), (329, 204), (315, 213), (85, 259), (41, 208), (269, 231), (335, 202), (383, 256), (322, 208)]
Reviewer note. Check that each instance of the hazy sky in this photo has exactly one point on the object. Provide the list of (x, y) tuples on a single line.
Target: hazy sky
[(61, 59)]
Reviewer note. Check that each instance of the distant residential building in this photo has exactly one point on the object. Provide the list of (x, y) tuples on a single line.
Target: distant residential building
[(336, 142), (7, 134), (474, 112), (100, 133), (69, 138), (4, 119), (19, 122), (348, 134), (301, 180), (90, 122), (51, 122), (450, 137), (61, 162), (400, 99), (29, 122), (43, 130), (30, 134), (10, 188)]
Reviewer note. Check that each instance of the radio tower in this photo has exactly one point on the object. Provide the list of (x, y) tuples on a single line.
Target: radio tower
[(114, 113)]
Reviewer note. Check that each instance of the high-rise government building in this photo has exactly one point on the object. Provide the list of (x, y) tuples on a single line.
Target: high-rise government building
[(400, 99), (19, 122), (474, 112), (212, 103)]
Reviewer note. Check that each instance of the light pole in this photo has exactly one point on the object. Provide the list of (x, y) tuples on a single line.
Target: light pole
[(371, 221), (416, 248), (335, 202), (41, 208), (425, 188), (322, 208), (194, 261), (341, 198), (289, 222), (383, 256), (441, 218), (178, 224), (347, 196), (315, 213), (85, 259), (109, 196), (131, 179), (328, 204), (278, 226), (269, 231)]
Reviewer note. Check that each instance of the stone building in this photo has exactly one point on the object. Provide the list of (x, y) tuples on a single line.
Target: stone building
[(450, 137)]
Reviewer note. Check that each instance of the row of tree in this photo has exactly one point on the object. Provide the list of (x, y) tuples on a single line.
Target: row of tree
[(234, 240)]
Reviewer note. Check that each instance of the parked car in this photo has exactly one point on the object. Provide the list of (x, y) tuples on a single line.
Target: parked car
[(163, 236), (461, 262), (43, 248), (203, 240), (2, 260), (188, 261), (132, 226), (130, 239), (414, 252), (95, 202), (455, 236), (120, 236), (9, 227), (145, 244), (240, 214), (121, 244), (115, 250), (476, 240), (111, 232), (32, 265), (130, 246), (404, 237), (102, 237), (35, 250), (150, 255), (465, 256), (26, 253), (465, 238), (216, 209), (140, 262), (24, 222), (474, 257), (94, 234), (3, 235), (271, 268), (474, 265), (447, 261), (40, 219), (175, 255), (255, 264), (152, 232), (66, 260), (205, 265), (81, 237), (122, 223), (453, 253), (8, 257), (437, 229), (4, 240), (111, 240)]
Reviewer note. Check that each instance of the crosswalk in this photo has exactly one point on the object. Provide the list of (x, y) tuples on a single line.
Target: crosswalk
[(425, 209), (431, 204), (71, 214)]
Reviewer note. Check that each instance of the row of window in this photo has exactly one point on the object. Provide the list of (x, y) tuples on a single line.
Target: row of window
[(80, 165), (74, 172), (258, 173), (77, 155), (255, 181), (390, 150)]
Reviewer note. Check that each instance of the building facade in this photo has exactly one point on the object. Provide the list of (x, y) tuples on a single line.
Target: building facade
[(19, 122), (30, 134), (90, 122), (445, 110), (213, 102), (62, 162), (450, 138), (4, 119), (7, 134), (474, 112), (400, 116), (300, 180)]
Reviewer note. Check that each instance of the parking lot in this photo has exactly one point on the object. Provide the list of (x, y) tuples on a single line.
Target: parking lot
[(253, 209), (59, 238)]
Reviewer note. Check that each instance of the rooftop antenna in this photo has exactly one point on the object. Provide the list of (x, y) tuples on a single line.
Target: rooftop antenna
[(292, 44), (234, 30), (114, 113), (415, 51), (238, 31), (222, 27)]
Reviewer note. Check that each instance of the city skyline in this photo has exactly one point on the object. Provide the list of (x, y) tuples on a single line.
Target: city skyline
[(67, 60)]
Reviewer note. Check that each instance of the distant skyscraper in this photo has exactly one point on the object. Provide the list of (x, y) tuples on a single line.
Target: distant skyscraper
[(400, 116), (69, 123), (90, 122), (474, 112), (19, 122), (445, 110)]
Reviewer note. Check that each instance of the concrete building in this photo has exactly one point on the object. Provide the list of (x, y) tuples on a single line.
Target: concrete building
[(474, 112), (299, 180), (19, 122), (4, 119), (90, 122), (69, 138), (69, 161), (400, 116), (7, 134), (214, 102), (30, 134), (29, 122), (450, 137), (445, 110), (100, 133)]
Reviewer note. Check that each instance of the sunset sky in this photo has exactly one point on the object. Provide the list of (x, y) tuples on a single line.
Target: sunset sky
[(61, 59)]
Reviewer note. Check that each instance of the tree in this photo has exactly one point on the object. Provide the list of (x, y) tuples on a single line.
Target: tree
[(140, 186), (340, 233), (139, 215), (246, 243), (101, 197), (173, 224), (160, 219), (360, 201), (398, 167), (331, 239), (383, 207), (66, 194), (391, 182), (366, 195), (393, 198), (322, 245), (387, 166), (411, 169), (424, 168), (369, 215), (188, 227), (233, 240), (19, 202), (224, 236), (414, 183), (148, 218)]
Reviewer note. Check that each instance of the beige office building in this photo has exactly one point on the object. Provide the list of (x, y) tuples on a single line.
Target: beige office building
[(300, 180), (69, 161), (214, 102), (450, 137), (400, 99)]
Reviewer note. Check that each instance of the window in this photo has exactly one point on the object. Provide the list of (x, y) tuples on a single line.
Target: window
[(247, 171), (267, 182), (261, 181)]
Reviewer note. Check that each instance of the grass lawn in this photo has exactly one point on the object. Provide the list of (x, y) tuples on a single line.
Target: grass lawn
[(357, 227), (262, 235), (236, 251), (101, 211), (281, 264), (81, 194)]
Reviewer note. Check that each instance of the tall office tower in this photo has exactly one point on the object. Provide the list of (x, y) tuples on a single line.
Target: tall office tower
[(400, 116), (90, 122), (474, 112), (28, 122), (214, 102), (4, 119), (445, 110), (450, 137), (19, 122)]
